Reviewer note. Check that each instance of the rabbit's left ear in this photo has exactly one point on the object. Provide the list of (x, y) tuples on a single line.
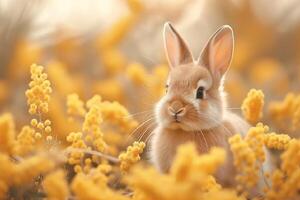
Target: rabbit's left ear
[(177, 51), (217, 53)]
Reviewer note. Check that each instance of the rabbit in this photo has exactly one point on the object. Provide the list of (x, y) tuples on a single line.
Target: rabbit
[(194, 107)]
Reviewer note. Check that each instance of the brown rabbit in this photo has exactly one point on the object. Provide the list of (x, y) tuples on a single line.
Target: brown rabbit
[(194, 107)]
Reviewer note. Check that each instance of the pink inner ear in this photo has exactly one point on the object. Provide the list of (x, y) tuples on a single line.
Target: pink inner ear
[(172, 49), (221, 53), (176, 50)]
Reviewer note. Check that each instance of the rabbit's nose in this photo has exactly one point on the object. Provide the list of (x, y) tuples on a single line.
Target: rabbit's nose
[(176, 108)]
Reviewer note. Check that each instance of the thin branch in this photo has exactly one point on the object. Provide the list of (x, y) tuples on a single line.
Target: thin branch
[(96, 153)]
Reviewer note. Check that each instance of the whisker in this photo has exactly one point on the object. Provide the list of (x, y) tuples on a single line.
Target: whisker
[(142, 124), (145, 131), (214, 137), (197, 138), (207, 147), (149, 136), (137, 113), (233, 108), (219, 123)]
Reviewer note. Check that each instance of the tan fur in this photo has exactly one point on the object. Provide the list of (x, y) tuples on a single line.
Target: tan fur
[(206, 122), (217, 129)]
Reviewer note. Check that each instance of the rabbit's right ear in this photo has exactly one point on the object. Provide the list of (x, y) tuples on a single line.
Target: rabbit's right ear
[(176, 49)]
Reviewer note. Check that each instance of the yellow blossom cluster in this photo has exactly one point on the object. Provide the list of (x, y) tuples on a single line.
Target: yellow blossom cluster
[(252, 105), (25, 141), (116, 113), (85, 187), (21, 173), (75, 105), (244, 162), (38, 97), (249, 155), (76, 140), (91, 140), (112, 58), (137, 74), (286, 111), (40, 89), (7, 135), (56, 186), (277, 141), (255, 138), (285, 180), (131, 156), (92, 122), (188, 162), (189, 171)]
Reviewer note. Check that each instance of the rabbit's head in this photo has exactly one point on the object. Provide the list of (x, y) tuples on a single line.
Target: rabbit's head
[(194, 90)]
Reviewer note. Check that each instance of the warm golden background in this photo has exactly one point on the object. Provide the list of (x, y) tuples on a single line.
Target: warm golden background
[(114, 48)]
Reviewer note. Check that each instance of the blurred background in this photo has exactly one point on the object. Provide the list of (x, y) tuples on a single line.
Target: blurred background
[(114, 48)]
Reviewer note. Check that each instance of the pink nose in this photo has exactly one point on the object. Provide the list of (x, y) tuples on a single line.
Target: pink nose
[(176, 108)]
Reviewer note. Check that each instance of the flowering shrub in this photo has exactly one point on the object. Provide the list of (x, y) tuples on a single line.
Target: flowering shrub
[(85, 133), (35, 161)]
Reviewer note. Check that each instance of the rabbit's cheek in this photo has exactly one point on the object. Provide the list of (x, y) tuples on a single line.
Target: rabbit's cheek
[(203, 105)]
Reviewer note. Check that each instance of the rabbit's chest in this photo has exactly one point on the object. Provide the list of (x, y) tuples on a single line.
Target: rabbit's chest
[(165, 144), (203, 140)]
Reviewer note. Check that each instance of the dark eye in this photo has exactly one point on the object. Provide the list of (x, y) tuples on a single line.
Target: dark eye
[(200, 93), (167, 88)]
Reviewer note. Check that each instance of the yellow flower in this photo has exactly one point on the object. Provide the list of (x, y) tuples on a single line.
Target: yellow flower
[(25, 141), (190, 178), (86, 188), (38, 94), (34, 122), (136, 6), (3, 190), (7, 133), (244, 162), (60, 77), (255, 139), (253, 105), (38, 135), (116, 113), (76, 140), (92, 122), (113, 61), (47, 129), (288, 109), (75, 105), (270, 74), (109, 89), (40, 125), (30, 168), (56, 186), (116, 32), (131, 156), (7, 166), (277, 141), (285, 180), (188, 162), (137, 74), (47, 122)]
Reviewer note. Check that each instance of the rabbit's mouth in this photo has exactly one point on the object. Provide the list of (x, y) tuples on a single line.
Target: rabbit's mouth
[(176, 119)]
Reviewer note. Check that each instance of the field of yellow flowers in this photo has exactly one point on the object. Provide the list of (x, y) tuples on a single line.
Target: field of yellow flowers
[(76, 117)]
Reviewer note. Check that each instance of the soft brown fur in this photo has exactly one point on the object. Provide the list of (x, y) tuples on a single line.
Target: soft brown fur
[(206, 122)]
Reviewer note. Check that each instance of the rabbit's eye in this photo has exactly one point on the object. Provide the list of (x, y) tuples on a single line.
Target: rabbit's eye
[(167, 88), (200, 93)]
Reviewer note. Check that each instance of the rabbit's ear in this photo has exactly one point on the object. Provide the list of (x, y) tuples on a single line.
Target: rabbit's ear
[(217, 53), (176, 49)]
